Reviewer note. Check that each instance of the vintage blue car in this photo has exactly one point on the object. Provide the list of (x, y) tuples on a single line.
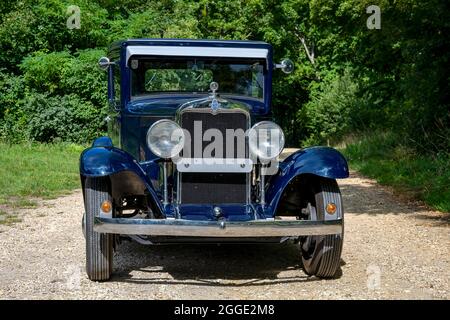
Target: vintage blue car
[(193, 156)]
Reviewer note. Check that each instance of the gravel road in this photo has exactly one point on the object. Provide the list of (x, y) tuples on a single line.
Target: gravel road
[(392, 250)]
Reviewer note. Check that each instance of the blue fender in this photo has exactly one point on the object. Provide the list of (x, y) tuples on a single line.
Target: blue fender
[(320, 161), (103, 159)]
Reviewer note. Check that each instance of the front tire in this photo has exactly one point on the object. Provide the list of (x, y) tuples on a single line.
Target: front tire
[(321, 255), (99, 246)]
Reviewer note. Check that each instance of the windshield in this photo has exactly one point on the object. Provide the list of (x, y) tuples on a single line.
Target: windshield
[(243, 77)]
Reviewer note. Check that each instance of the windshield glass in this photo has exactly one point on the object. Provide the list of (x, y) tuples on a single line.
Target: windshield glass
[(243, 77)]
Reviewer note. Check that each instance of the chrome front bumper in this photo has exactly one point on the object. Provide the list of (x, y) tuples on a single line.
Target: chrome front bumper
[(191, 228)]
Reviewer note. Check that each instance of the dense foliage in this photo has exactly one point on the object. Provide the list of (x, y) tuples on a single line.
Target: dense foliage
[(347, 78)]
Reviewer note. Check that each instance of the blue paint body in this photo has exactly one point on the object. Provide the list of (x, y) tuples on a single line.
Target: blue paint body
[(136, 116)]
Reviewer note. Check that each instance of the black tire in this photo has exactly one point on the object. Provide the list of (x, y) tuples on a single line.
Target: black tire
[(99, 246), (321, 255)]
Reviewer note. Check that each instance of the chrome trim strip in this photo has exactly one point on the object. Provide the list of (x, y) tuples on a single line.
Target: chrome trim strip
[(165, 186), (214, 165), (262, 185), (191, 228)]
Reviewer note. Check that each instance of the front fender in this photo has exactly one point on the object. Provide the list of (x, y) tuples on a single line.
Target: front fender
[(320, 161), (102, 159)]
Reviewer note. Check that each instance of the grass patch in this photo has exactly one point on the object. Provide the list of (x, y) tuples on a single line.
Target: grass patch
[(30, 171), (422, 177), (8, 218)]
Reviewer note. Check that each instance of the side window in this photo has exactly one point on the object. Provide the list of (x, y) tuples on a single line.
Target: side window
[(113, 122), (117, 89)]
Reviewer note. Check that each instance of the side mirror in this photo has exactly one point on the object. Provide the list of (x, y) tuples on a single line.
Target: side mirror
[(104, 63), (286, 65), (107, 66)]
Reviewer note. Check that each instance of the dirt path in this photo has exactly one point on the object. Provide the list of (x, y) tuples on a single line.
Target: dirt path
[(391, 250)]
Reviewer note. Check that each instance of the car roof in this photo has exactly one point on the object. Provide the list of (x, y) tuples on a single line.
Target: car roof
[(189, 42)]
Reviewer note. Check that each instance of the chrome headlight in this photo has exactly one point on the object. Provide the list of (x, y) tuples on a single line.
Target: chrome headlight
[(165, 138), (266, 140)]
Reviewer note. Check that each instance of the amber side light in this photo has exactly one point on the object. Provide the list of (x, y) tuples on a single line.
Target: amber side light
[(106, 206), (331, 208)]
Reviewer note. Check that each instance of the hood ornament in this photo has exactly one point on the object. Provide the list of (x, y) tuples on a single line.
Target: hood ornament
[(214, 86), (215, 105)]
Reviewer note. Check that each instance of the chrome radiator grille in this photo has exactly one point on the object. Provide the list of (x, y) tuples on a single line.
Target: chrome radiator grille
[(221, 121), (214, 187)]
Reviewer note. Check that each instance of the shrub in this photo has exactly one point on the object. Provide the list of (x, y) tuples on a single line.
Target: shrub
[(327, 116), (68, 118), (40, 25), (43, 72), (62, 73), (12, 115), (59, 96), (83, 77)]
